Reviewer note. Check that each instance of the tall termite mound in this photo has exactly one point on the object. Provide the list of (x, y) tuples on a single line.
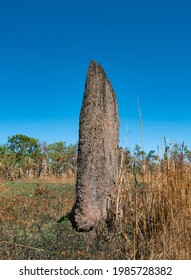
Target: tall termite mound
[(97, 163)]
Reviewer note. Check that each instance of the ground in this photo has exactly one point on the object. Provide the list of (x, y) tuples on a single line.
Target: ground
[(34, 223)]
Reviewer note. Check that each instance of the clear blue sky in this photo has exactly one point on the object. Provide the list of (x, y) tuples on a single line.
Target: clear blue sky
[(144, 47)]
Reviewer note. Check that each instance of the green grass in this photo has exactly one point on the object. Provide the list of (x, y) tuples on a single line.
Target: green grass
[(150, 218), (29, 228)]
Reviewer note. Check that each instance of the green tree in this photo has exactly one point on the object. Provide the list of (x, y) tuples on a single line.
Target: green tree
[(7, 157), (57, 154), (139, 154), (71, 158), (151, 160), (25, 150), (62, 158), (23, 146), (187, 154)]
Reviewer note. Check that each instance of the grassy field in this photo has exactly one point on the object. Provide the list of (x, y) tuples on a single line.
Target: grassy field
[(150, 218), (29, 227), (34, 224)]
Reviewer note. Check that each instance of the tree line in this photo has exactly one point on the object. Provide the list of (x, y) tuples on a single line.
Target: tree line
[(27, 157), (24, 157)]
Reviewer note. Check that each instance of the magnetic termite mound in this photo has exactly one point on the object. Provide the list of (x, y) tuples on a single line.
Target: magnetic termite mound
[(97, 162)]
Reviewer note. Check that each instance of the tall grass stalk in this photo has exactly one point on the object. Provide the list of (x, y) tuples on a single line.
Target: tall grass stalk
[(155, 210)]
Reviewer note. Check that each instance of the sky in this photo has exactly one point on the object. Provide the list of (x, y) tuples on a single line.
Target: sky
[(143, 46)]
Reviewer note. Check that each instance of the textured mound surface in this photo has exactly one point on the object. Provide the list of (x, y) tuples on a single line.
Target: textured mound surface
[(97, 150)]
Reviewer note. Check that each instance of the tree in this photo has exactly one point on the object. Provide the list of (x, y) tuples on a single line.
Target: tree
[(23, 145), (25, 150), (187, 154), (139, 154), (57, 154), (71, 159)]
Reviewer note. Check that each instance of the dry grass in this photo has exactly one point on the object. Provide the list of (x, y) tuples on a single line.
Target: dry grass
[(150, 218), (154, 211), (64, 179), (29, 228)]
